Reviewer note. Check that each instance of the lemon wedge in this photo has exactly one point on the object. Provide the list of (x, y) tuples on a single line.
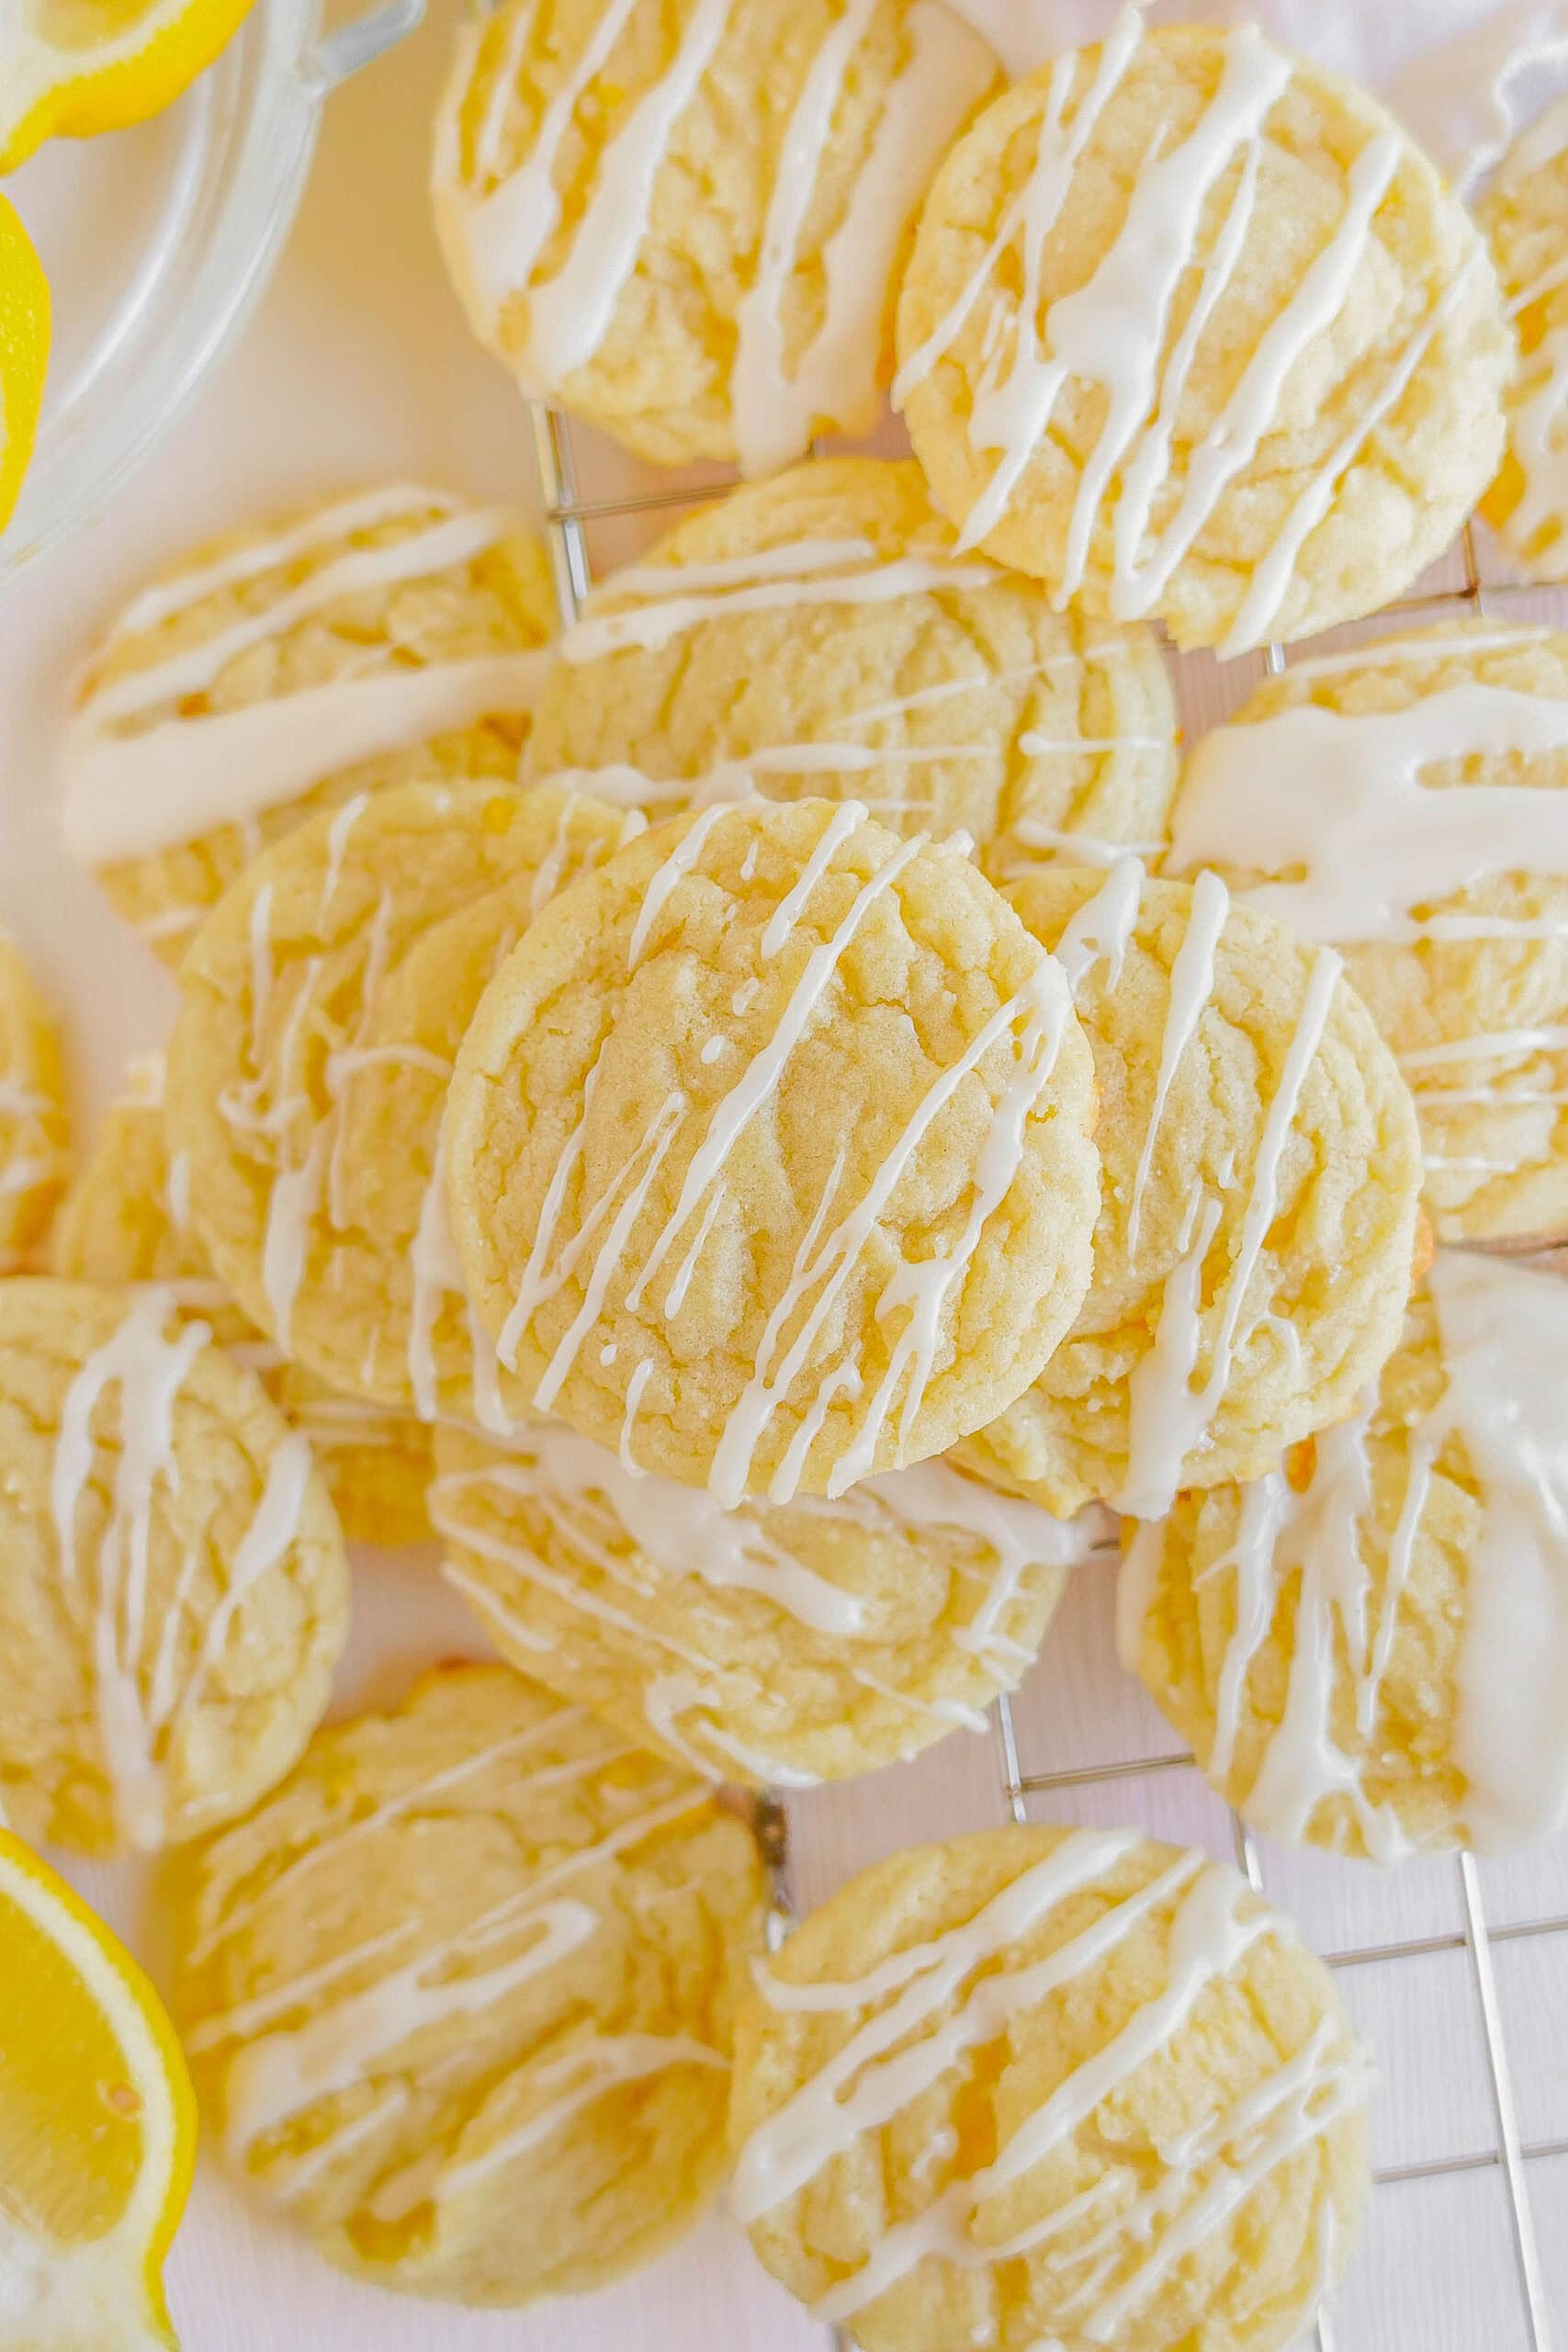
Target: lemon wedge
[(98, 2126), (24, 353), (75, 67)]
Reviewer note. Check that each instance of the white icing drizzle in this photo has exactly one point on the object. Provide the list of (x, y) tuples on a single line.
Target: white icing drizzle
[(834, 379), (1271, 578), (1191, 985), (508, 227), (169, 599), (1539, 448), (588, 1496), (511, 217), (890, 2061), (279, 2074), (1101, 931), (1339, 797), (1501, 1329), (441, 547), (140, 1699), (586, 2075), (1112, 334), (128, 795), (1168, 1419), (674, 598)]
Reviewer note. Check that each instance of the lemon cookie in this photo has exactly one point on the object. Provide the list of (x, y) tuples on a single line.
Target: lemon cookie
[(770, 1152), (1369, 1649), (126, 1219), (1192, 332), (32, 1111), (1409, 803), (476, 1960), (686, 224), (784, 1646), (1524, 215), (282, 669), (173, 1590), (304, 1092), (1258, 1214), (816, 634), (1040, 2086)]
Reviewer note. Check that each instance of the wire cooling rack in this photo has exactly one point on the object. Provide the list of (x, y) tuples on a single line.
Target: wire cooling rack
[(574, 512)]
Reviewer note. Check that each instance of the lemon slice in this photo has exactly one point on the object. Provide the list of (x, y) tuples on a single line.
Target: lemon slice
[(24, 353), (98, 2126), (75, 67)]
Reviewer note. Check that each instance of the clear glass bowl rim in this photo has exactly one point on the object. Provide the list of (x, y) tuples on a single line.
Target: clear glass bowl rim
[(259, 112)]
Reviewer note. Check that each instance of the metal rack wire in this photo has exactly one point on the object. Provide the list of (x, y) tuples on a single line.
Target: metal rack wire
[(568, 513)]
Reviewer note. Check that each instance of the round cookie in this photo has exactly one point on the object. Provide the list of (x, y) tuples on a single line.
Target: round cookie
[(1040, 2086), (1192, 332), (816, 634), (477, 1961), (1260, 1209), (281, 671), (301, 1092), (1524, 217), (1367, 1649), (32, 1112), (126, 1219), (1408, 802), (686, 224), (770, 1153), (768, 1647), (173, 1594)]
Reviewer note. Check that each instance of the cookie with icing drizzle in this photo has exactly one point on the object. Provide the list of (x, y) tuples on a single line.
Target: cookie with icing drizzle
[(283, 670), (770, 1153), (478, 1958), (686, 224), (1259, 1212), (33, 1160), (173, 1594), (781, 1646), (1191, 331), (1369, 1648), (126, 1219), (1408, 803), (816, 634), (1040, 2086), (1524, 215), (321, 1007)]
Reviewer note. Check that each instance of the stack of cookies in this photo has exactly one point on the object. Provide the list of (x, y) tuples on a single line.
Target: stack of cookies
[(768, 1121)]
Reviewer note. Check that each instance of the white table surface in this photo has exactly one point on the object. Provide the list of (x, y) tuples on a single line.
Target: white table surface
[(358, 364)]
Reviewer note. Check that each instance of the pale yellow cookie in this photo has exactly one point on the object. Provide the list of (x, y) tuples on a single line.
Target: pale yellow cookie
[(173, 1594), (126, 1219), (781, 1646), (1192, 332), (815, 635), (307, 1074), (458, 1997), (686, 223), (1409, 802), (33, 1162), (1258, 1213), (1367, 1649), (1041, 2087), (1524, 217), (770, 1152), (283, 669)]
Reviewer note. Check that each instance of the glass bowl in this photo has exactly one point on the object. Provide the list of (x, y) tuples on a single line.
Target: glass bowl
[(159, 240)]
